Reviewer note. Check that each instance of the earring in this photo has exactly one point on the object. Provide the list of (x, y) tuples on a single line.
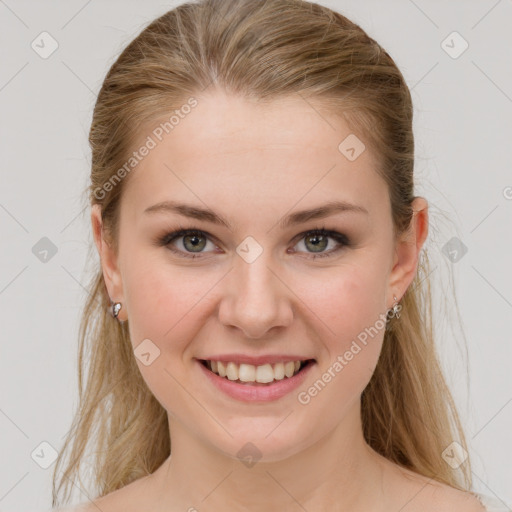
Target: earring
[(396, 308), (116, 307)]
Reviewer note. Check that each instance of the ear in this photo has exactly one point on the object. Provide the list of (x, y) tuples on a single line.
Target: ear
[(109, 260), (407, 250)]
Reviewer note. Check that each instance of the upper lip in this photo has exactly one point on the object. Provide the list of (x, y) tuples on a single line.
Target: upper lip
[(256, 360)]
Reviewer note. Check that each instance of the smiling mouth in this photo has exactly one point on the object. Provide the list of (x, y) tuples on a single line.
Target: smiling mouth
[(263, 375)]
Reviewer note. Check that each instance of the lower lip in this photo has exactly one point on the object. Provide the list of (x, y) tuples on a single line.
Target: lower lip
[(257, 392)]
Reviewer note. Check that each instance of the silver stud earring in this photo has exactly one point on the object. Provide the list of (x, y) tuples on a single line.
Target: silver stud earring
[(393, 311), (116, 307), (396, 308)]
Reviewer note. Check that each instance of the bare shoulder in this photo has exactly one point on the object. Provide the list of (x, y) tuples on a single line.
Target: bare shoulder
[(124, 499), (447, 498), (112, 502), (422, 494), (90, 506)]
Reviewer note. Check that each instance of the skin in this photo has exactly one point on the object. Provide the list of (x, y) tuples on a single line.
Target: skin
[(253, 164)]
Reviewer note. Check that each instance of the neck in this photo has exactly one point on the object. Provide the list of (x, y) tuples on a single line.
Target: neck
[(339, 472)]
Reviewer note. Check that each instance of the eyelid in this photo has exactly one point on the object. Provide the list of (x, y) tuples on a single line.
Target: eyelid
[(341, 239)]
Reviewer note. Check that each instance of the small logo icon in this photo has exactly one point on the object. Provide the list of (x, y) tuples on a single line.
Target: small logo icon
[(249, 250), (44, 45), (454, 455), (351, 147), (454, 249), (454, 45), (146, 352), (44, 455), (249, 454), (44, 250)]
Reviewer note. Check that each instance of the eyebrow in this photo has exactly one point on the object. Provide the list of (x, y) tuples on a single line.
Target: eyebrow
[(205, 214)]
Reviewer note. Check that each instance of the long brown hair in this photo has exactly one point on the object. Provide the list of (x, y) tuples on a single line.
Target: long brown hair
[(262, 50)]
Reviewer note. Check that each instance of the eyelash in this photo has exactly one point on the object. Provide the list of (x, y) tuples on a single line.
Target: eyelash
[(342, 240)]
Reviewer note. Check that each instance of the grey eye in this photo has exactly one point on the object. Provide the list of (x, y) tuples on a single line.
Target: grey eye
[(194, 242), (318, 242)]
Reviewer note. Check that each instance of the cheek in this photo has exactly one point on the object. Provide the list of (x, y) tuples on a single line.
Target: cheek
[(344, 301), (164, 305), (167, 304), (351, 307), (361, 331), (349, 322)]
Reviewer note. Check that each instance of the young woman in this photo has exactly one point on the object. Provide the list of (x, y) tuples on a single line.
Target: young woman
[(258, 334)]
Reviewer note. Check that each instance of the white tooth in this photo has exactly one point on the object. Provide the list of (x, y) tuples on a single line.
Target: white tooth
[(232, 371), (264, 373), (279, 371), (221, 369), (247, 372), (289, 368)]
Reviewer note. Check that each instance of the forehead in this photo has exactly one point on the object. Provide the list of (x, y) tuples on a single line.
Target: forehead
[(233, 152)]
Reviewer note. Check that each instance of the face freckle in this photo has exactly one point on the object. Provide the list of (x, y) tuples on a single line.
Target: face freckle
[(253, 165)]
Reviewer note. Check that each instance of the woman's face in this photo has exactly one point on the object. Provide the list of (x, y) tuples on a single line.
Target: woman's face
[(253, 288)]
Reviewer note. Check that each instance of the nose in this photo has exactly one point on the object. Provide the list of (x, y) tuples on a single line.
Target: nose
[(256, 299)]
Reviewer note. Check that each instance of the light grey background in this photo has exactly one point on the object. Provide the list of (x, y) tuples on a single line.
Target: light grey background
[(463, 127)]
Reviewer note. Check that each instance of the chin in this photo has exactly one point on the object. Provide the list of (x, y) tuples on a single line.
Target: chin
[(262, 442)]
